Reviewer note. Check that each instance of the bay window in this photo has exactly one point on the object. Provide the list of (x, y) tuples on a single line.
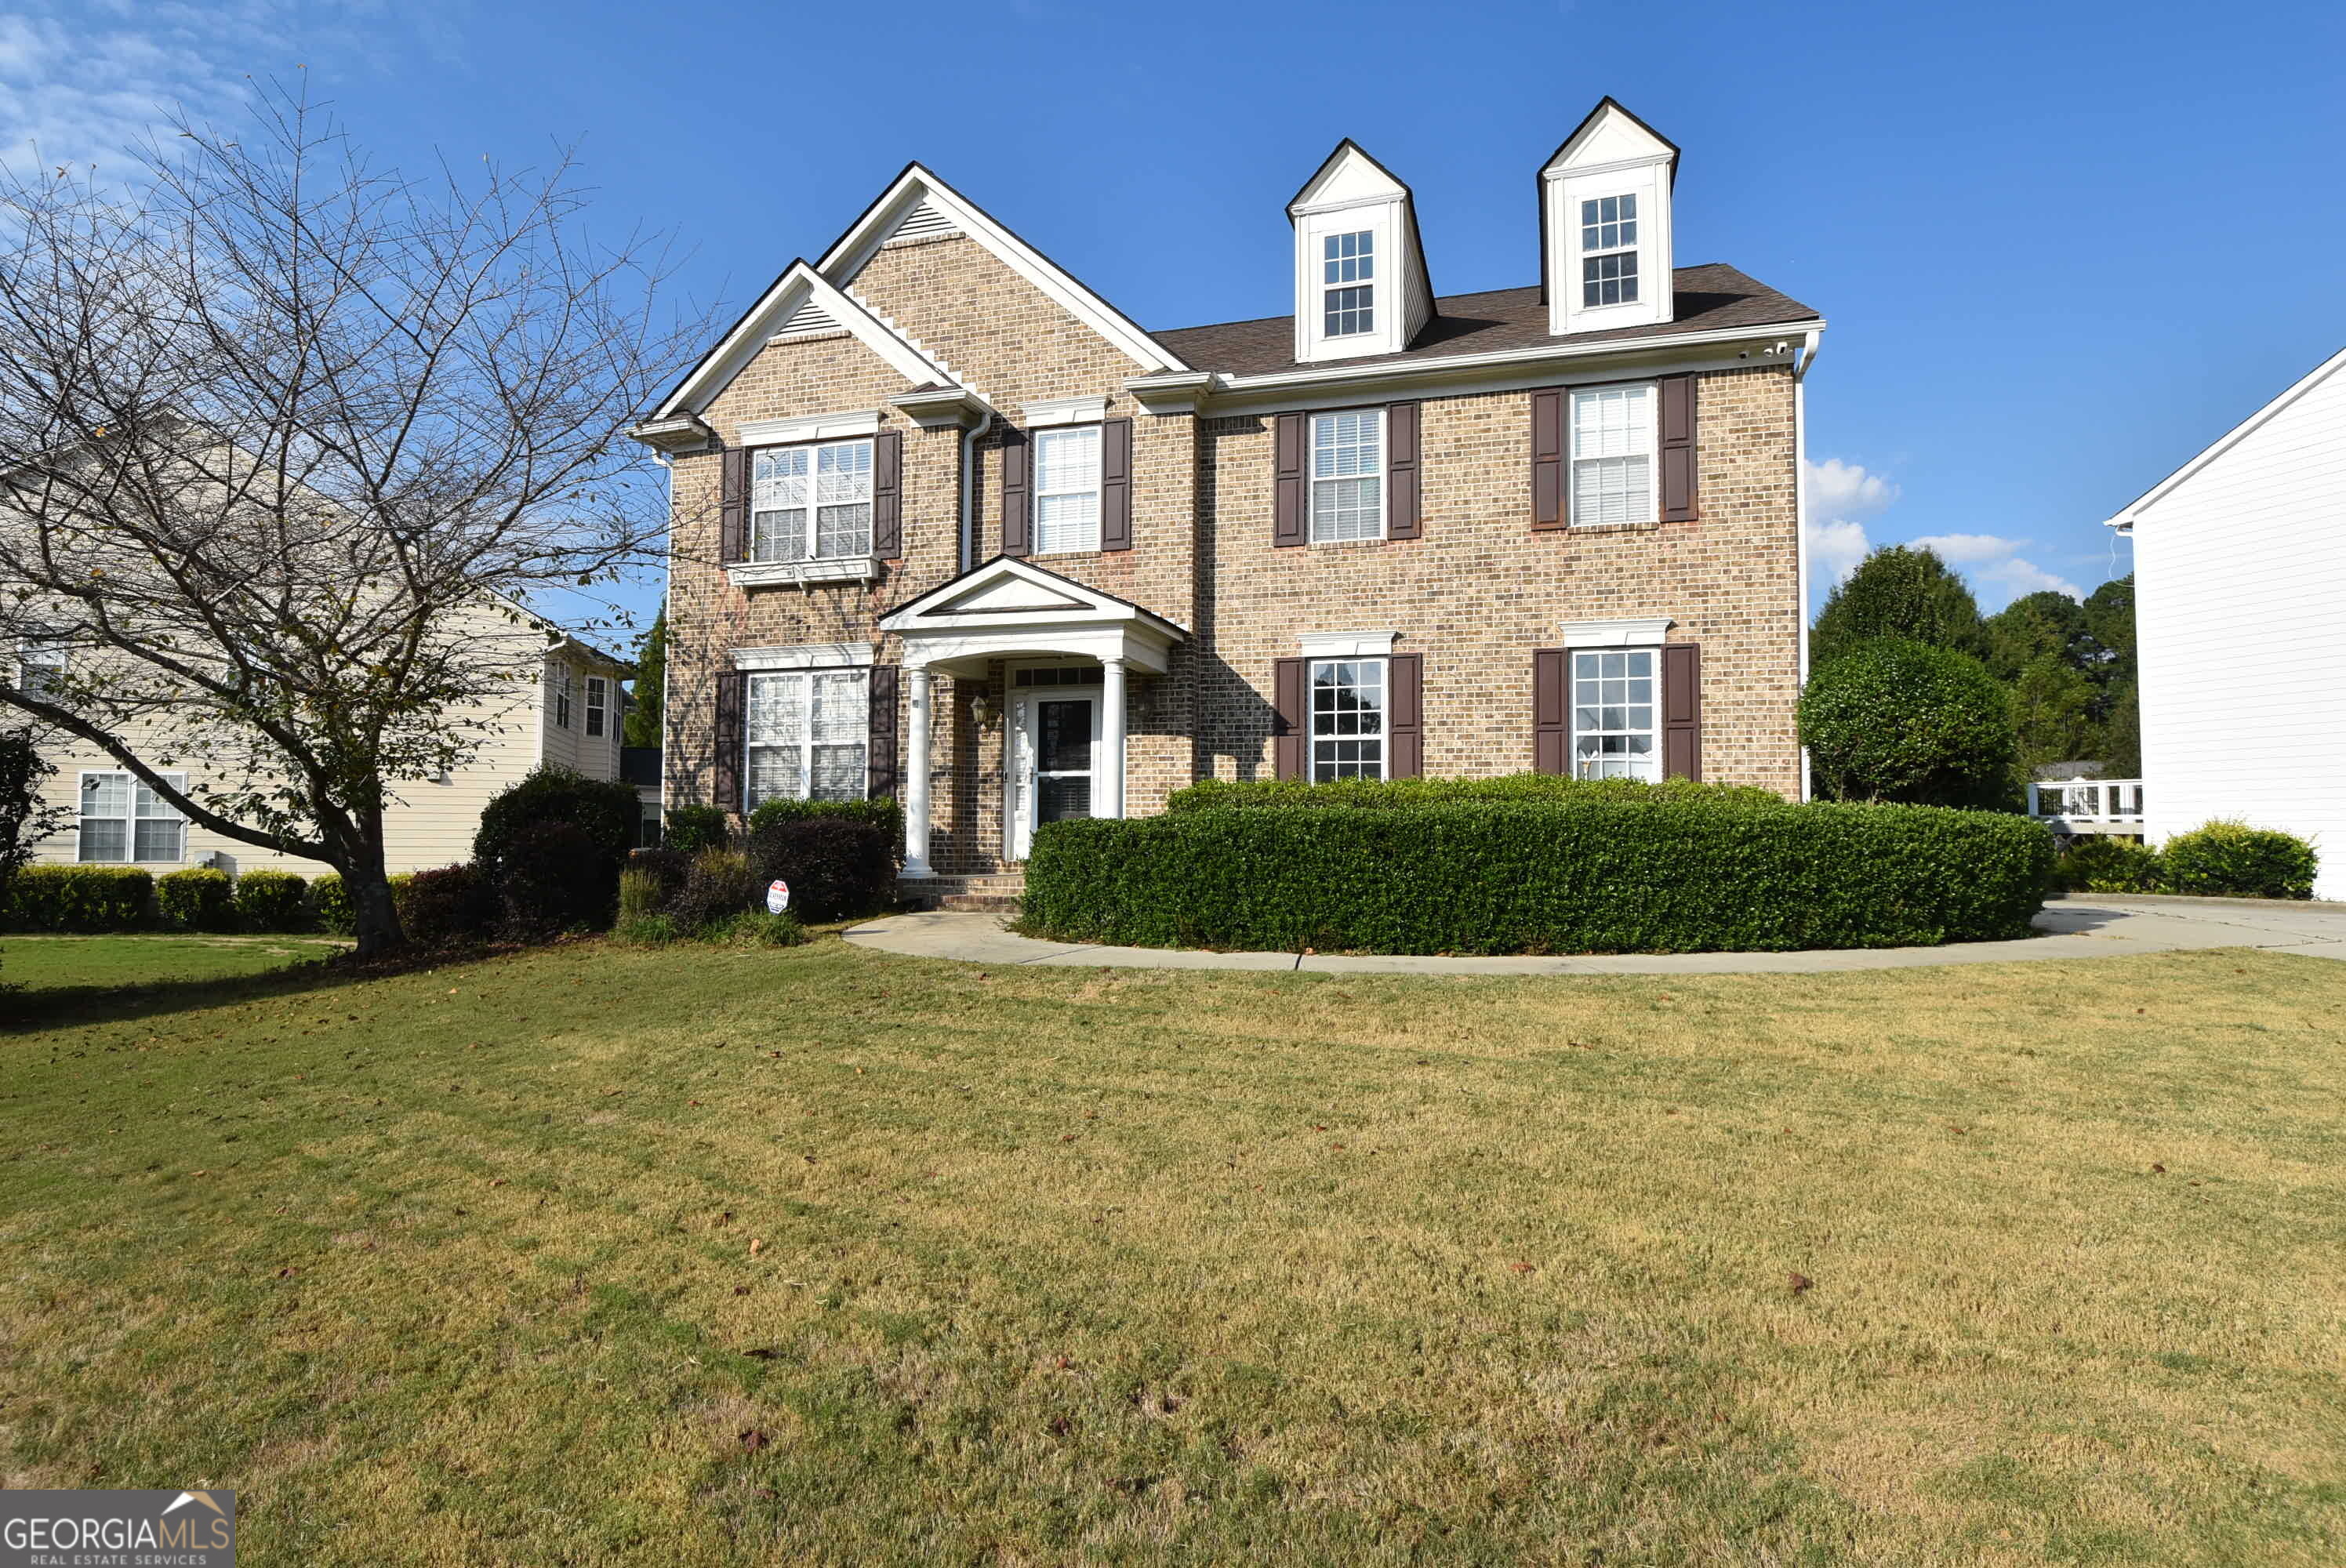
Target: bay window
[(1348, 719), (811, 502), (123, 820), (807, 734), (1613, 454), (1066, 489), (1613, 703), (1347, 461)]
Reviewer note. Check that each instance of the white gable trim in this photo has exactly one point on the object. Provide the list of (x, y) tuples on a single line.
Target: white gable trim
[(2230, 439), (915, 187), (1008, 608), (1065, 411), (798, 285)]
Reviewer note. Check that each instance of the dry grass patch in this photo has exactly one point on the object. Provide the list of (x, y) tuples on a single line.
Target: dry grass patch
[(701, 1257)]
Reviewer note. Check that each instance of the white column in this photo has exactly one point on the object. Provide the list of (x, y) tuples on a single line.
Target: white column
[(1107, 779), (916, 777)]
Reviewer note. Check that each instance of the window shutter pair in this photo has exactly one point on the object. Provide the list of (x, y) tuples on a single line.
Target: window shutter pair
[(730, 740), (1115, 489), (1682, 710), (881, 753), (887, 500), (1290, 488), (1290, 725), (1552, 460)]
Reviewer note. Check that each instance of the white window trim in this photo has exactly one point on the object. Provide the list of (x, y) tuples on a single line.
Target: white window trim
[(808, 656), (597, 722), (797, 573), (1652, 451), (807, 427), (808, 567), (1099, 494), (1583, 256), (1064, 411), (806, 746), (565, 695), (58, 658), (1571, 706), (1312, 480), (1643, 632), (1347, 645), (1370, 283), (130, 822), (1311, 737)]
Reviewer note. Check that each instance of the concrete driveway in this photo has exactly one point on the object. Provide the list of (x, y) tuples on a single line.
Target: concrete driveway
[(2083, 925)]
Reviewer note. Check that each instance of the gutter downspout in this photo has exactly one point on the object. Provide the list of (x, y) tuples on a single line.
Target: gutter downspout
[(969, 488), (1807, 356)]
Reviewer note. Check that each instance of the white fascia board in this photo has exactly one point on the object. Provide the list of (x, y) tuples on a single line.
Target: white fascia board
[(843, 261), (741, 345), (2128, 515)]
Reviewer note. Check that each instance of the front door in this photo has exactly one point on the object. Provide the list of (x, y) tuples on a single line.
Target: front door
[(1056, 738)]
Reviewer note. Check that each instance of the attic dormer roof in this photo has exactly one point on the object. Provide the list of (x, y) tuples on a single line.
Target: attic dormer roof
[(1333, 164)]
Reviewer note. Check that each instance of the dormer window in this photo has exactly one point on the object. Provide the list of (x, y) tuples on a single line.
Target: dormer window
[(1348, 272), (1608, 251)]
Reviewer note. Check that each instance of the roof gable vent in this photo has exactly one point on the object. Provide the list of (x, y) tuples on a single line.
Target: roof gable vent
[(808, 319), (924, 222)]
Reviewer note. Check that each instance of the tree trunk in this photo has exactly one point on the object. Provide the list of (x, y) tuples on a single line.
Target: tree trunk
[(379, 931)]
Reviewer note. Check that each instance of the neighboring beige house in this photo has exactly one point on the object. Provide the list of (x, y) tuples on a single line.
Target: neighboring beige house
[(950, 526), (569, 714)]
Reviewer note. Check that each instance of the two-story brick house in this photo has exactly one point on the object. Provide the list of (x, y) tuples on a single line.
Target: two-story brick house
[(949, 526)]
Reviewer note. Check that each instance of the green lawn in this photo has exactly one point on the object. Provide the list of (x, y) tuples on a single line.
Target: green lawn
[(50, 962), (692, 1255)]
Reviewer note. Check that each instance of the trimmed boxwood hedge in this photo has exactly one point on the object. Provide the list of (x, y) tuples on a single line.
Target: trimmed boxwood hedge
[(1595, 874), (80, 898), (1217, 794)]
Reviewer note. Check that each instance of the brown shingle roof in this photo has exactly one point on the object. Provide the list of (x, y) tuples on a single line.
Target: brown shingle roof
[(1707, 297)]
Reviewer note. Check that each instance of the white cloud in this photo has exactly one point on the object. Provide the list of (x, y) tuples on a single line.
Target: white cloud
[(1835, 548), (1840, 497), (1997, 570)]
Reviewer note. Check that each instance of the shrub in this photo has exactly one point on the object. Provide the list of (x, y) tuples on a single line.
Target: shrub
[(641, 892), (645, 930), (2107, 865), (1906, 722), (447, 907), (197, 899), (688, 829), (2235, 859), (1590, 875), (883, 813), (836, 866), (605, 811), (554, 877), (332, 907), (756, 928), (717, 887), (80, 898), (1215, 794), (268, 900)]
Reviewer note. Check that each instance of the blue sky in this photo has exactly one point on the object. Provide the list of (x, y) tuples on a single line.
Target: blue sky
[(2061, 248)]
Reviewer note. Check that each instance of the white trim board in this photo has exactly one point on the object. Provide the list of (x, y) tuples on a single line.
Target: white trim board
[(798, 284), (1064, 411), (807, 427), (1643, 632), (808, 656), (1347, 645), (2127, 515)]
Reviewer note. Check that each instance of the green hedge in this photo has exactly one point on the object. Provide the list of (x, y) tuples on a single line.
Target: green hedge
[(1214, 794), (202, 898), (80, 898), (883, 813), (2234, 859), (1594, 874), (272, 900)]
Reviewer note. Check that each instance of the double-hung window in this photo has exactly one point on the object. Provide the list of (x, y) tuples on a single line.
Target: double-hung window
[(1347, 271), (123, 820), (564, 687), (1348, 463), (1613, 701), (1613, 454), (40, 666), (1608, 251), (811, 502), (1348, 718), (598, 704), (1066, 489), (808, 732)]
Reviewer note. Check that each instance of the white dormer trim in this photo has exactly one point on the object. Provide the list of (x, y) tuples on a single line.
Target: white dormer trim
[(807, 427), (1351, 193), (1064, 411), (798, 285), (1612, 155), (916, 188)]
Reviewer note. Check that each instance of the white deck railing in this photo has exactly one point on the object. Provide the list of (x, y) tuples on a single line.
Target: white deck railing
[(2088, 805)]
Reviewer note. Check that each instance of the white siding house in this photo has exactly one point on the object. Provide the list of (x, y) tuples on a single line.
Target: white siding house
[(2240, 594)]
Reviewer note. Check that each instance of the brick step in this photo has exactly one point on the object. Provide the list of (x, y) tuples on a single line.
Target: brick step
[(996, 893), (980, 903)]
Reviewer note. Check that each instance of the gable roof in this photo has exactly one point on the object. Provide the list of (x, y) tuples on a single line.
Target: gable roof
[(1711, 298), (1011, 588), (1408, 205), (916, 186), (799, 286), (2125, 520)]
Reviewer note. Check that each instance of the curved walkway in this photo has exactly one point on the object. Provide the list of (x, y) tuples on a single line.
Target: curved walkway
[(2079, 926)]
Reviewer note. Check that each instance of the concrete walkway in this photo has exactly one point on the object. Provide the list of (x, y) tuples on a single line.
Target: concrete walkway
[(2078, 926)]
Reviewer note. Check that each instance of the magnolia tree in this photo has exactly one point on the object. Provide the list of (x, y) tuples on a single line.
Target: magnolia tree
[(277, 429)]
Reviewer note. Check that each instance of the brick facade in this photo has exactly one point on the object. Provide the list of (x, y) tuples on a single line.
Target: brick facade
[(1474, 595)]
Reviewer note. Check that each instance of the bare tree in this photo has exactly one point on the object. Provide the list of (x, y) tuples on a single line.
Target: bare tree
[(274, 426)]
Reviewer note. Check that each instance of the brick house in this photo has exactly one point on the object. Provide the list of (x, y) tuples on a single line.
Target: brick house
[(949, 526)]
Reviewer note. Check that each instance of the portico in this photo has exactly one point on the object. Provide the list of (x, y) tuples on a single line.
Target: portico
[(1070, 650)]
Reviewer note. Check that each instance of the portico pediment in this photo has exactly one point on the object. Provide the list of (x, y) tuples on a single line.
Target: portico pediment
[(1009, 608)]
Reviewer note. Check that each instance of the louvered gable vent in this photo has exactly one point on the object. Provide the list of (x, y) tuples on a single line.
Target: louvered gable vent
[(924, 221), (810, 317)]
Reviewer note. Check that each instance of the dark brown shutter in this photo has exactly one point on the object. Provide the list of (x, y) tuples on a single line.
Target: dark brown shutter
[(1018, 500), (1547, 459), (1551, 711), (1116, 484), (1678, 449), (733, 505), (887, 494), (1287, 481), (881, 753), (1405, 714), (732, 699), (1289, 678), (1401, 491), (1682, 711)]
